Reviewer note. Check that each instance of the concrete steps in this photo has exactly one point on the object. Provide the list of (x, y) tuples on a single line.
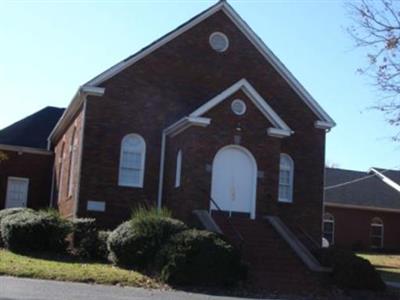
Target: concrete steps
[(272, 262)]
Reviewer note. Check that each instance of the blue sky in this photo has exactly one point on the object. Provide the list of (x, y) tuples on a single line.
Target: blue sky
[(49, 48)]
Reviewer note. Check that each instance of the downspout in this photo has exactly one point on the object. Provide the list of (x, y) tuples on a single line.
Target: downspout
[(161, 176)]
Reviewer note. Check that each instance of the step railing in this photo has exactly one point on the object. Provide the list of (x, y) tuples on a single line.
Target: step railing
[(298, 247), (236, 232)]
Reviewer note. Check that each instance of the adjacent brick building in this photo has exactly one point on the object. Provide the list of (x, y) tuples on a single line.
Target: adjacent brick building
[(204, 119), (362, 209)]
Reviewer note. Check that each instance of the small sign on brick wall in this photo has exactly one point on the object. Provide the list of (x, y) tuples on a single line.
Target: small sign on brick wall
[(96, 206)]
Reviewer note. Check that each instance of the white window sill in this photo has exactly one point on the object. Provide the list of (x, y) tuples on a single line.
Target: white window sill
[(285, 201)]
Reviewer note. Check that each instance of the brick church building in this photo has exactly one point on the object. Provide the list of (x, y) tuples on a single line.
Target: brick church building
[(206, 119)]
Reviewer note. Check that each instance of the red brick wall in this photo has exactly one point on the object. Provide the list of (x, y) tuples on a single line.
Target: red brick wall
[(36, 167), (352, 227), (169, 84), (64, 200)]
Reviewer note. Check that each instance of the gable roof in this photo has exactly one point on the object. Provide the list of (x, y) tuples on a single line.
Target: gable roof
[(367, 189), (280, 127), (33, 130), (324, 122)]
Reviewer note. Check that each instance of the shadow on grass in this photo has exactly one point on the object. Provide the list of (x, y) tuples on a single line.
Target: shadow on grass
[(60, 257)]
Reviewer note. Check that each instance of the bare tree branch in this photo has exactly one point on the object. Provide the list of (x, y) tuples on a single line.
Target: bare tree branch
[(377, 29)]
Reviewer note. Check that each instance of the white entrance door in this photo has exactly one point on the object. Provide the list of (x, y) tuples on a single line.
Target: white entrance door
[(17, 192), (234, 180)]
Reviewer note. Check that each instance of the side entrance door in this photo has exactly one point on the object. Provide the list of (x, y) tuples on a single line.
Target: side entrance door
[(17, 192), (234, 180)]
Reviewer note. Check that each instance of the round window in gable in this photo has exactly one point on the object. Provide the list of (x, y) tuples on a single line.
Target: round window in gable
[(238, 107), (219, 41)]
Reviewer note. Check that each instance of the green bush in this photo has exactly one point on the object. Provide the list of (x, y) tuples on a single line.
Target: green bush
[(200, 258), (85, 237), (34, 231), (351, 271), (135, 243), (102, 249), (7, 212)]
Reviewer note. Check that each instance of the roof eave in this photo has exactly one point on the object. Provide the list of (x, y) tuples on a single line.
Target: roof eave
[(72, 108)]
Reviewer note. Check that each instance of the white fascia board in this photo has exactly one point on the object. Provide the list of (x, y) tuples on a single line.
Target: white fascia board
[(253, 95), (248, 32), (73, 107), (278, 65), (25, 149), (279, 133), (385, 179), (185, 123), (146, 51)]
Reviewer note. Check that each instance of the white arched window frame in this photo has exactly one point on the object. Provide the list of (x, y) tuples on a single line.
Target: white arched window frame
[(61, 171), (132, 161), (72, 157), (178, 172), (377, 232), (286, 174), (329, 228)]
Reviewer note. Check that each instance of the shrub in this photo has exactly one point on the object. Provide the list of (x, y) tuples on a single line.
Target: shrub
[(102, 250), (33, 231), (201, 258), (350, 270), (135, 243), (7, 212), (85, 237)]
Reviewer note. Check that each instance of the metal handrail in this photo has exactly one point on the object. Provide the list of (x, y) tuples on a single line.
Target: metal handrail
[(237, 233)]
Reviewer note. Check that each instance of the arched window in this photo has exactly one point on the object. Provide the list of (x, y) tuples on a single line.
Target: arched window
[(376, 233), (178, 169), (60, 170), (72, 157), (286, 170), (132, 161), (329, 228)]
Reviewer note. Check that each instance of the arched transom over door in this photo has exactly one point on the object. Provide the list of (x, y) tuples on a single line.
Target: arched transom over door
[(234, 180)]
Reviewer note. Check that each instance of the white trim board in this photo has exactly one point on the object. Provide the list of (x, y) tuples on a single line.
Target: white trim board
[(25, 149), (280, 129), (385, 179), (360, 207), (324, 122)]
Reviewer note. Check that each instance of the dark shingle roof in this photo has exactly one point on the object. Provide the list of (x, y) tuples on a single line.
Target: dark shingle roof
[(370, 191), (33, 130)]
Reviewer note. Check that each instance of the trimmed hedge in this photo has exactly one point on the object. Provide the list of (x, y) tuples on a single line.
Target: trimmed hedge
[(33, 231), (85, 237), (351, 271), (7, 212), (196, 257), (135, 243)]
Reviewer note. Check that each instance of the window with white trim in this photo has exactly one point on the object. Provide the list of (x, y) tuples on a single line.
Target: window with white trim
[(286, 169), (178, 169), (132, 161), (61, 171), (376, 235), (73, 148), (329, 228)]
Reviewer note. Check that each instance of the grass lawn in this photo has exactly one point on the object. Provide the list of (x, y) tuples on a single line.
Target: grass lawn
[(67, 269), (388, 265)]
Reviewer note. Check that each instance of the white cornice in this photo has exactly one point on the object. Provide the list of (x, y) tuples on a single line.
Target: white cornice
[(25, 149), (326, 122)]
